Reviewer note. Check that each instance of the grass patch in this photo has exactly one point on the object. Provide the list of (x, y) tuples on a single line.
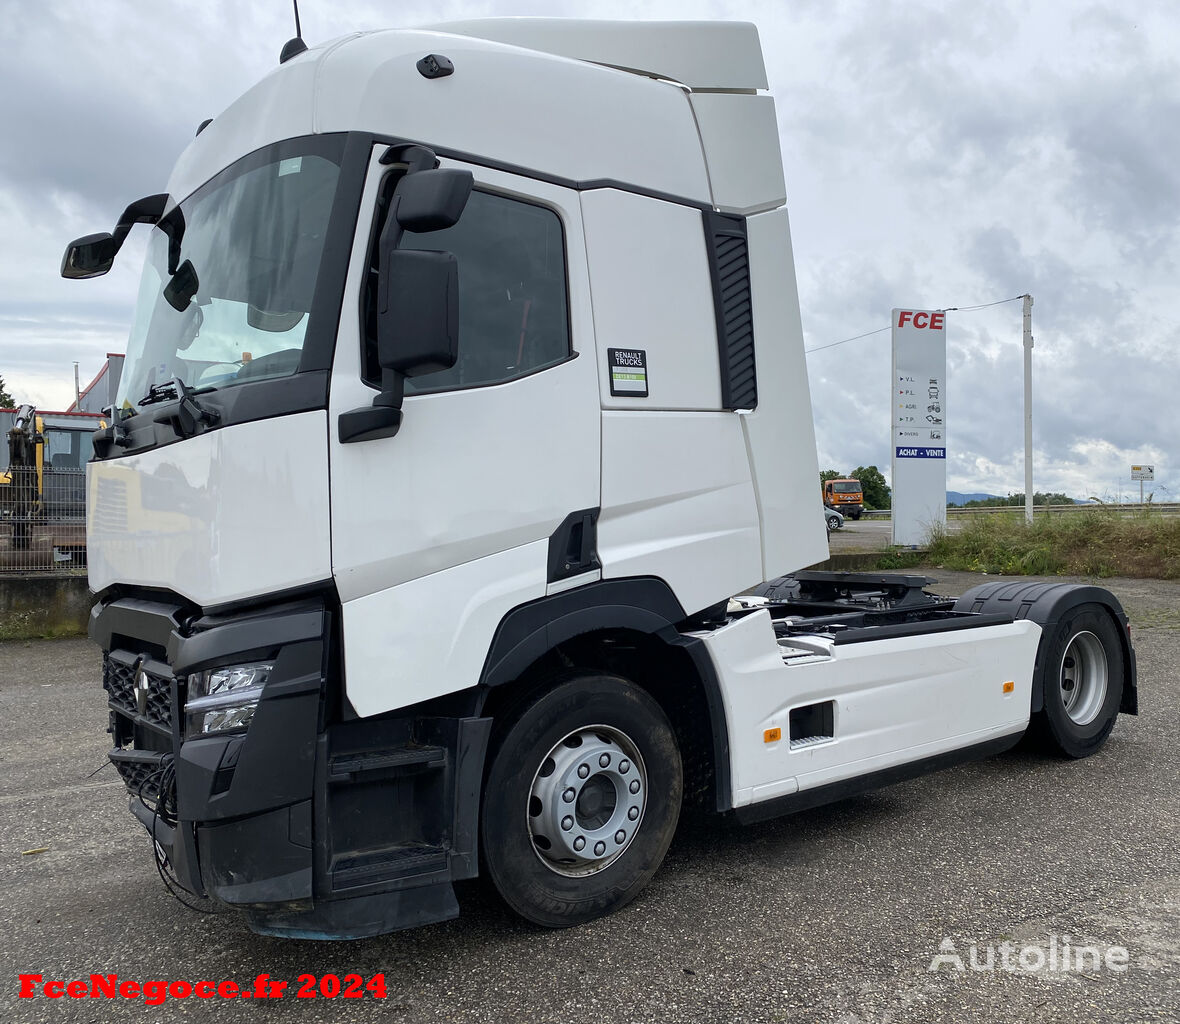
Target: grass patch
[(900, 558), (1094, 542)]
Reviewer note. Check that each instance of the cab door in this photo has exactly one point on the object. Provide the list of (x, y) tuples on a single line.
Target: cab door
[(439, 531)]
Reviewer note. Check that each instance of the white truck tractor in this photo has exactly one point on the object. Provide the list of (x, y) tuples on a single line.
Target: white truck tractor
[(465, 388)]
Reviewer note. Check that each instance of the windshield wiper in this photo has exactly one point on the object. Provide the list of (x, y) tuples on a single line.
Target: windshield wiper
[(188, 414)]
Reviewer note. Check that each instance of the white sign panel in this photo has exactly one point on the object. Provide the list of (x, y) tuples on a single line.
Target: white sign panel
[(1143, 473), (918, 400)]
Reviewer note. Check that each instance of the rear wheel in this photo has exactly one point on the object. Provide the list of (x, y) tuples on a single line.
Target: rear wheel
[(581, 800), (1082, 675)]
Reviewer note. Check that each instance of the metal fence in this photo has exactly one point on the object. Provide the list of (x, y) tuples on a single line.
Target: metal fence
[(43, 522)]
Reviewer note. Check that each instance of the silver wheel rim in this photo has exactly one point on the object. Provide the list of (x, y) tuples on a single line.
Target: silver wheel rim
[(1083, 678), (587, 801)]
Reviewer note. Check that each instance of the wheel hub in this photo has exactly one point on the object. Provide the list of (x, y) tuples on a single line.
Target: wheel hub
[(587, 800), (1083, 678)]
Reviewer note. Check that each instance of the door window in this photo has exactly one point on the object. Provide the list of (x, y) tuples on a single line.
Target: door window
[(513, 306)]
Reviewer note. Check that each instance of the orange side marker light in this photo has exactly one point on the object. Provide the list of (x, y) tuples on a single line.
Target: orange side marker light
[(772, 735), (1009, 686)]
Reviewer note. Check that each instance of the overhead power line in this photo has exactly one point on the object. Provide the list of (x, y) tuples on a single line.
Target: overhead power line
[(945, 309)]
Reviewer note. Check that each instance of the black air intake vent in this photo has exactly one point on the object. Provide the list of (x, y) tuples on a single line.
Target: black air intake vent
[(729, 264)]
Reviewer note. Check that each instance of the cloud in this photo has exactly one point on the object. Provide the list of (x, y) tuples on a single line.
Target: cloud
[(936, 154)]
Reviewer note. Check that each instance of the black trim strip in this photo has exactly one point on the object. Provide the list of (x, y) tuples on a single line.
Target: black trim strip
[(583, 185), (809, 798), (328, 298), (891, 631), (729, 270)]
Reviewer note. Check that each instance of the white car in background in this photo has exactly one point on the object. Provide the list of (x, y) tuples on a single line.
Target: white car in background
[(833, 518)]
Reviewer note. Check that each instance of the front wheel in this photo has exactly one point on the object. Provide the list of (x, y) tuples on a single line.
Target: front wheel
[(1082, 674), (580, 801), (834, 523)]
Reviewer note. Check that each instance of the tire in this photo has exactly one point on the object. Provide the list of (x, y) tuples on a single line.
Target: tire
[(834, 523), (1082, 676), (855, 515), (570, 730)]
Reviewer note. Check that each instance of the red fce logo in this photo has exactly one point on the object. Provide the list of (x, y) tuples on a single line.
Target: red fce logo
[(921, 319)]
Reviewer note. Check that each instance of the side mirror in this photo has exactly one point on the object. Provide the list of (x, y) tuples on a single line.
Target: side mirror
[(89, 256), (431, 200), (418, 312), (417, 333), (94, 255)]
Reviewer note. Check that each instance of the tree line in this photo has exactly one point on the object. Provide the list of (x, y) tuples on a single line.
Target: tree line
[(877, 494), (1039, 498)]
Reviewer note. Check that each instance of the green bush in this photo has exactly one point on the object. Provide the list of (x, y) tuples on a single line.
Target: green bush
[(1091, 542)]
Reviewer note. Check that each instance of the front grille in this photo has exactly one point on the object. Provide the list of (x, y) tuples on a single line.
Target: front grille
[(140, 771), (119, 671), (141, 722)]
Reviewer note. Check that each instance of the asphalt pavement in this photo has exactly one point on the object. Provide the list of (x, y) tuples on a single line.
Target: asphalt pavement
[(835, 914), (861, 535)]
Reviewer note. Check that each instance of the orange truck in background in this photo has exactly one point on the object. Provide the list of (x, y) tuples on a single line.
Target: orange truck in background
[(845, 496)]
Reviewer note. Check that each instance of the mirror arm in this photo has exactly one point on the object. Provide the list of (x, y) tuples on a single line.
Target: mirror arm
[(147, 210), (415, 157), (369, 422), (384, 417), (381, 419)]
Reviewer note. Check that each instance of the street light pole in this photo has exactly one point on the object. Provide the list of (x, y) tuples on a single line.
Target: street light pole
[(1028, 456)]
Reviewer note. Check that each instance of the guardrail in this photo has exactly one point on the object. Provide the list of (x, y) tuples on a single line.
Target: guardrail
[(43, 522), (1170, 508)]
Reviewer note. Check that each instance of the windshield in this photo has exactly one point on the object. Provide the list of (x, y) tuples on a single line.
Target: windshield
[(846, 487), (254, 237)]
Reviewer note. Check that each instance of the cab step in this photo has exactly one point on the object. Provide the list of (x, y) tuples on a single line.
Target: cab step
[(351, 767), (390, 864)]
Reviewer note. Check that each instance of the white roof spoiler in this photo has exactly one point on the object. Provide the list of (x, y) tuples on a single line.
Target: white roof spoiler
[(703, 55)]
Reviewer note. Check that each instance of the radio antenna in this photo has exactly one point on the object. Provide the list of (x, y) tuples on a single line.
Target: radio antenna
[(293, 47)]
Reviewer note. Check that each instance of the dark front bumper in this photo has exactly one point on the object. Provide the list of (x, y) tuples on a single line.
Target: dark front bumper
[(315, 823)]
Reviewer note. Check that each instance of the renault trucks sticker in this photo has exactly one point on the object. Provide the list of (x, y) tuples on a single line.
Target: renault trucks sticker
[(628, 372)]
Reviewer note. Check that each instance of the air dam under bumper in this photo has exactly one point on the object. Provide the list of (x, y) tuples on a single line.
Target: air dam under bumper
[(316, 824)]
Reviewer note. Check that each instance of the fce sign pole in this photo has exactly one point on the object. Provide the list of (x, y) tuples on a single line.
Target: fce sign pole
[(1028, 456), (918, 395)]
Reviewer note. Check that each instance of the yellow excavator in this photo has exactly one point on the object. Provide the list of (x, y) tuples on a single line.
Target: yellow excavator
[(43, 478)]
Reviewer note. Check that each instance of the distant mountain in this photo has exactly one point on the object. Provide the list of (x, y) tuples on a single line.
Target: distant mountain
[(959, 498)]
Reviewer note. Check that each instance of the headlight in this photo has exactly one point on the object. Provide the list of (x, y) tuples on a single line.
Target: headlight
[(221, 699)]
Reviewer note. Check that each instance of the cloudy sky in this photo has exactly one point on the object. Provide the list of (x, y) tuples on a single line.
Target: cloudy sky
[(937, 155)]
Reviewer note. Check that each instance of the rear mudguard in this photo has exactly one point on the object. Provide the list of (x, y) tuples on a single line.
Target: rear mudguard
[(1046, 604)]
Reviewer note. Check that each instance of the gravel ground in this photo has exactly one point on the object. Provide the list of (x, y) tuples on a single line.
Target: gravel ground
[(830, 915)]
